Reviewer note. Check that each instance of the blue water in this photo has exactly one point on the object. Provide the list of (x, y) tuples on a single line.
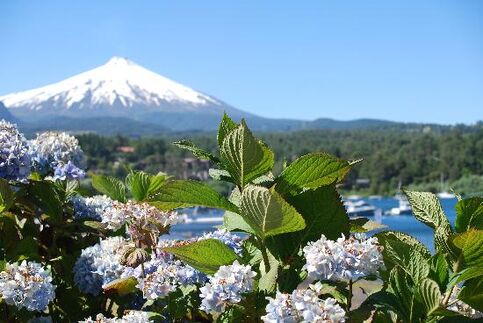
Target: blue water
[(404, 223)]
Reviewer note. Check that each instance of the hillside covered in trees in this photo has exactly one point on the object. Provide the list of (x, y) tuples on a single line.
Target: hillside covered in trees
[(413, 157)]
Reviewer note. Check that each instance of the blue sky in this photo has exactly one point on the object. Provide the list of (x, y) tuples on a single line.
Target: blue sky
[(399, 60)]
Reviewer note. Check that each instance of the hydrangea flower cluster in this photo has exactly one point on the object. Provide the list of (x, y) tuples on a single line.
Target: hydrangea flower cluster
[(231, 240), (226, 287), (303, 305), (99, 265), (90, 207), (27, 285), (130, 317), (58, 154), (343, 259), (14, 153)]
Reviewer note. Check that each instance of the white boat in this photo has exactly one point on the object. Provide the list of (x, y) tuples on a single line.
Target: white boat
[(403, 208), (359, 208)]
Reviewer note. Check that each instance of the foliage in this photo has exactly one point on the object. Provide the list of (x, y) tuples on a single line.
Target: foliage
[(301, 259)]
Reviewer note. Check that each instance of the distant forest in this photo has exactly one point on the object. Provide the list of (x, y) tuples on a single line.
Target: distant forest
[(418, 157)]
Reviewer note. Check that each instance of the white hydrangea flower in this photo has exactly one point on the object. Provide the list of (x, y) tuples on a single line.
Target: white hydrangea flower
[(303, 305), (343, 259), (231, 240), (226, 287), (27, 285), (91, 207), (130, 317)]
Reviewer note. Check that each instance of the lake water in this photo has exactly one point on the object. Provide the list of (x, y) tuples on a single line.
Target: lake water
[(404, 223)]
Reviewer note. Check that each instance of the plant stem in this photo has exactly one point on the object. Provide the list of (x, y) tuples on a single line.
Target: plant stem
[(349, 299), (447, 297), (142, 270), (263, 249)]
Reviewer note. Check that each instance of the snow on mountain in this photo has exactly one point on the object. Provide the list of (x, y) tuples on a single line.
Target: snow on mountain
[(119, 86)]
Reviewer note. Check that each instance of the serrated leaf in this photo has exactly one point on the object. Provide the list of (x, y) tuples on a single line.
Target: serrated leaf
[(469, 214), (417, 266), (186, 193), (267, 213), (121, 286), (138, 184), (205, 255), (220, 175), (364, 225), (439, 270), (427, 209), (197, 152), (156, 182), (245, 158), (7, 196), (110, 186), (471, 245), (429, 294), (312, 171), (226, 126)]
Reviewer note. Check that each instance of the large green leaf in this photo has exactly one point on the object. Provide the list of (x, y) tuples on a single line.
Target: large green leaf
[(110, 186), (469, 214), (205, 255), (198, 152), (471, 245), (427, 209), (235, 222), (138, 183), (312, 171), (472, 293), (226, 126), (267, 213), (186, 193), (268, 280), (429, 294), (7, 196), (156, 182), (47, 198), (245, 157)]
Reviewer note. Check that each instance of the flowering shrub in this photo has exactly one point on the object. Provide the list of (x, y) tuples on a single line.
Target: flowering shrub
[(287, 251)]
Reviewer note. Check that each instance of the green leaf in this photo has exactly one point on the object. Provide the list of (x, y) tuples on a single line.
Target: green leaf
[(312, 171), (417, 266), (429, 294), (47, 198), (226, 126), (156, 182), (471, 245), (364, 225), (268, 280), (220, 175), (7, 196), (267, 213), (121, 286), (186, 193), (235, 222), (244, 157), (110, 186), (472, 293), (469, 214), (427, 209), (198, 152), (439, 270), (138, 183), (205, 255)]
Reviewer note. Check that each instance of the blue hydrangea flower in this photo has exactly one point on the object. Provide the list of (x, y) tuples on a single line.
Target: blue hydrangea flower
[(90, 207), (99, 265), (27, 285), (14, 153), (51, 150), (130, 317), (68, 171)]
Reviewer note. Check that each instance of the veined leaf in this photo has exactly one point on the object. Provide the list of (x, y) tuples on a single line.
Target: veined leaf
[(429, 294), (138, 183), (198, 152), (156, 182), (268, 280), (7, 196), (472, 293), (121, 286), (469, 214), (110, 186), (235, 222), (220, 175), (312, 171), (471, 245), (205, 255), (244, 157), (267, 213), (427, 209), (226, 126), (186, 193)]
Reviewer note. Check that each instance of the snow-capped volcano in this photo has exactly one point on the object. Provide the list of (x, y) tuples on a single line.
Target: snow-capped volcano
[(119, 87)]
